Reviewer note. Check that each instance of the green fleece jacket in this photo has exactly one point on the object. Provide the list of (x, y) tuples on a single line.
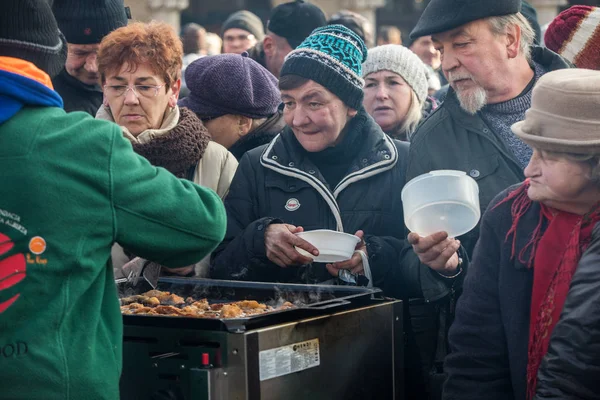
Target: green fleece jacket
[(71, 186)]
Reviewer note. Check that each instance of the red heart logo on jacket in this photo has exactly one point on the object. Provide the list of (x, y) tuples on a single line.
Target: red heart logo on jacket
[(12, 270)]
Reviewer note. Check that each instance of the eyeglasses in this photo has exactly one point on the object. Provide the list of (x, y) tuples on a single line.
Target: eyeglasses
[(234, 38), (138, 90)]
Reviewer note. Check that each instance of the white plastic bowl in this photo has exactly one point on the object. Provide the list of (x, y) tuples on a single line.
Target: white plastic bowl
[(333, 246), (443, 200)]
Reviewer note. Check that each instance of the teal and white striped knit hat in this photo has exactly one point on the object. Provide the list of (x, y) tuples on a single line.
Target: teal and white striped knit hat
[(332, 56)]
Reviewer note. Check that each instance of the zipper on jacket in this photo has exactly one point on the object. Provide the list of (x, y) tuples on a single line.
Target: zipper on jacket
[(329, 197)]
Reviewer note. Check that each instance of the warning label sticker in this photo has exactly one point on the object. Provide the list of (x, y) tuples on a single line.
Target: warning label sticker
[(289, 359)]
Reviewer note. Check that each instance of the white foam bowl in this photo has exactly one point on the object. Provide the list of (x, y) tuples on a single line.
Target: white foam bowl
[(333, 246), (443, 200)]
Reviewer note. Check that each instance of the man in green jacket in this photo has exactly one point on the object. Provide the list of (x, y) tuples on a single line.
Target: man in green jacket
[(70, 187)]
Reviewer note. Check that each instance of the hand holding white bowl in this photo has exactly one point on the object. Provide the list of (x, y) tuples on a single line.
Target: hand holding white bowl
[(437, 251), (354, 264), (280, 243)]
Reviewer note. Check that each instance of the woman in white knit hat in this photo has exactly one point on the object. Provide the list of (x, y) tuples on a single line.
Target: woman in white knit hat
[(395, 89)]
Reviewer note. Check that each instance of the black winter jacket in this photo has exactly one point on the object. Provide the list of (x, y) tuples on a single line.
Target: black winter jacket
[(76, 95), (490, 335), (451, 138), (272, 177), (257, 53), (571, 368)]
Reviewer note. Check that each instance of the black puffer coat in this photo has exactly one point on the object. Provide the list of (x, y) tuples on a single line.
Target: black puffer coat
[(368, 197), (272, 177), (571, 368)]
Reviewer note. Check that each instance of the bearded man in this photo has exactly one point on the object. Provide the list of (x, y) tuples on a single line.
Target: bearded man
[(491, 64)]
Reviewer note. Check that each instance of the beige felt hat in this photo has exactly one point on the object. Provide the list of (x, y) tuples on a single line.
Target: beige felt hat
[(565, 113)]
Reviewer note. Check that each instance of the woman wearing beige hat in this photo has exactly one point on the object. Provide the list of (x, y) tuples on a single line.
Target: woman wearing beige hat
[(532, 238)]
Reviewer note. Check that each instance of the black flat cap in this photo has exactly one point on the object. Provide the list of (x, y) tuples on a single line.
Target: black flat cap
[(444, 15), (295, 21)]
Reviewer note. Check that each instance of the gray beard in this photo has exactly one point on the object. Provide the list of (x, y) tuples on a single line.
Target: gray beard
[(472, 100)]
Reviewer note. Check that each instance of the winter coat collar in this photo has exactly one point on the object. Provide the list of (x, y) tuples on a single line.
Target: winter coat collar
[(257, 53), (262, 135), (169, 122), (379, 154), (178, 146), (76, 83)]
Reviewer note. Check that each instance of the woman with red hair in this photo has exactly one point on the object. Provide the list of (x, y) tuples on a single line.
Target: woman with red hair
[(140, 71)]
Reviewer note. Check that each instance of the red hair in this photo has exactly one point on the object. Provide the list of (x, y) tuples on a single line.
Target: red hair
[(154, 43)]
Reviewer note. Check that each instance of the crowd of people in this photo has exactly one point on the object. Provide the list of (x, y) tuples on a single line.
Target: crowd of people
[(207, 153)]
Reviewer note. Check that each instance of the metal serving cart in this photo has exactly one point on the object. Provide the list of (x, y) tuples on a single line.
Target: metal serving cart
[(339, 342)]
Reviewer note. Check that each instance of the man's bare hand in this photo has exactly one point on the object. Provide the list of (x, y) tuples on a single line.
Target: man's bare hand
[(437, 251), (354, 264), (280, 243)]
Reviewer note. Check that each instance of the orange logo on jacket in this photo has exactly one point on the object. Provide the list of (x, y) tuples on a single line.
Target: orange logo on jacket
[(37, 245), (12, 270)]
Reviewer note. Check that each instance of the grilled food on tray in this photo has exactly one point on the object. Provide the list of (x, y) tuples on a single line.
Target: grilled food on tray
[(156, 302)]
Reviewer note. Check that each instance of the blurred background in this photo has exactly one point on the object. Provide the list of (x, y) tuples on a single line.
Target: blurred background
[(402, 14)]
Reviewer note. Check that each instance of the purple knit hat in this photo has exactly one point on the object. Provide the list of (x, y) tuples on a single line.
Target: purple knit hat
[(230, 84)]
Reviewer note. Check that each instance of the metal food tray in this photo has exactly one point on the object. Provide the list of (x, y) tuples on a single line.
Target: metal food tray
[(310, 300)]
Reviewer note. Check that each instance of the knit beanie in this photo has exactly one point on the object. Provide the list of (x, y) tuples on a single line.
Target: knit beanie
[(29, 31), (332, 56), (247, 21), (87, 22), (575, 35), (402, 61), (230, 84)]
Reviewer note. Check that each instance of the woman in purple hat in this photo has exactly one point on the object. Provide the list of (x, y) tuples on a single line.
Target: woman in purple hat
[(236, 98)]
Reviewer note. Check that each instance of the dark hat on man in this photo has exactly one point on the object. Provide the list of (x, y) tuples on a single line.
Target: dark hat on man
[(530, 14), (29, 31), (332, 56), (294, 21), (444, 15), (87, 22), (230, 84), (247, 21)]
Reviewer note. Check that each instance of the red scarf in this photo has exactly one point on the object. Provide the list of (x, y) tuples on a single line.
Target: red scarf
[(554, 257)]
